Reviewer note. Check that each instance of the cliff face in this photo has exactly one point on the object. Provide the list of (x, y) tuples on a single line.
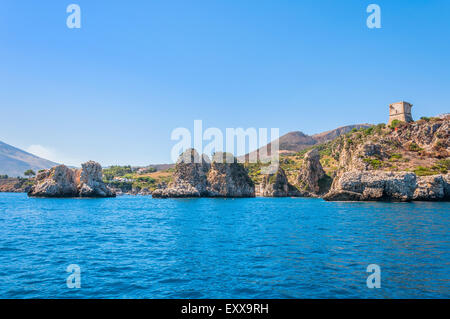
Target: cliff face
[(376, 185), (311, 172), (196, 177), (189, 179), (408, 162), (228, 179), (61, 181), (277, 185)]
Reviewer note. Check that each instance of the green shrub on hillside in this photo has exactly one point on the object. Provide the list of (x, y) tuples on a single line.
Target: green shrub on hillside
[(368, 131), (424, 171), (116, 171), (379, 128), (395, 157), (375, 163), (413, 147), (395, 123), (442, 166)]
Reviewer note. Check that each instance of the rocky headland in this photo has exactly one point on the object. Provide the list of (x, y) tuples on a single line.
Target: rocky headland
[(62, 181), (399, 162), (405, 162)]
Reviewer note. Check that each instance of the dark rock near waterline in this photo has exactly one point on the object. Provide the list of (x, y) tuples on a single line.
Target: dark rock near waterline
[(277, 185)]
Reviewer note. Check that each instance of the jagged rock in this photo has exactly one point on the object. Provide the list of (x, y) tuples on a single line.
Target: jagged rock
[(58, 181), (228, 178), (195, 177), (371, 149), (430, 188), (311, 172), (189, 179), (61, 181), (277, 185), (446, 179), (374, 185), (91, 183)]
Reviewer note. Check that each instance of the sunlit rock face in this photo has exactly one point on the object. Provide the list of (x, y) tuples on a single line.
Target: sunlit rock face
[(196, 176), (277, 185), (61, 181)]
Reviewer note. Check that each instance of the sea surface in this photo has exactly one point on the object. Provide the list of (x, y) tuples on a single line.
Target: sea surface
[(139, 247)]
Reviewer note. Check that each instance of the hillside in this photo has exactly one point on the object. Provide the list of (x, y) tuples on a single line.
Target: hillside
[(14, 162), (297, 141), (421, 147)]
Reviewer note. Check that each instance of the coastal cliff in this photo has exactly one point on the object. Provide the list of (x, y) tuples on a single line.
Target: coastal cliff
[(403, 162), (61, 181), (277, 185)]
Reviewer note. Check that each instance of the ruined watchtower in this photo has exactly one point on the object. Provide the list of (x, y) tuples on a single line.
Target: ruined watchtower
[(400, 111)]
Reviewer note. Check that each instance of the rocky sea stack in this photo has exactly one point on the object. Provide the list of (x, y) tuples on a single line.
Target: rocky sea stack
[(61, 181), (277, 185), (196, 176)]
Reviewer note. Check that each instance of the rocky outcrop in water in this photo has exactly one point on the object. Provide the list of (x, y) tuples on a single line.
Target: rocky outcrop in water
[(407, 162), (61, 181), (277, 185), (432, 188), (195, 176), (389, 186), (228, 178), (189, 178), (90, 182), (374, 185), (311, 173)]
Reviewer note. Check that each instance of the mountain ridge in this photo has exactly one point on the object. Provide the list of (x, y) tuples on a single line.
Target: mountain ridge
[(297, 141), (14, 161)]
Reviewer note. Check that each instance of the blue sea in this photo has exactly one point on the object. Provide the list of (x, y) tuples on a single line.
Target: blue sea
[(139, 247)]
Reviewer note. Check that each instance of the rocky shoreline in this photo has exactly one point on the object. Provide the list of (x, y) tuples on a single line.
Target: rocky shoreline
[(61, 181), (389, 186), (379, 163)]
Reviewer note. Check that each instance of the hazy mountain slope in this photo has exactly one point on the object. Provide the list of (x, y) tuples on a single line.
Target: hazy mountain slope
[(14, 162), (331, 135), (293, 142)]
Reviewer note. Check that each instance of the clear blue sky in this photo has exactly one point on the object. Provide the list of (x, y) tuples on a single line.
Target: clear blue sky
[(114, 90)]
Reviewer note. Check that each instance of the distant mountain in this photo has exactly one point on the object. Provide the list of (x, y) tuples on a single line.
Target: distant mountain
[(14, 162), (293, 142)]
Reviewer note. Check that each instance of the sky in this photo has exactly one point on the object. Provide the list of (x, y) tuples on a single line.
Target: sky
[(115, 89)]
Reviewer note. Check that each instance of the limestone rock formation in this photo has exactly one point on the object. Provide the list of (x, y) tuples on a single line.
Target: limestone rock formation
[(311, 173), (58, 181), (390, 186), (378, 163), (277, 185), (189, 179), (61, 181), (432, 188), (228, 178), (195, 176), (90, 181), (373, 185)]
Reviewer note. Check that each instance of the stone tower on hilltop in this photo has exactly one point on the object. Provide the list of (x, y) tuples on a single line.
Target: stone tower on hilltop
[(400, 111)]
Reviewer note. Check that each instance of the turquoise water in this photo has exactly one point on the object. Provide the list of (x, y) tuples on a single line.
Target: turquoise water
[(139, 247)]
